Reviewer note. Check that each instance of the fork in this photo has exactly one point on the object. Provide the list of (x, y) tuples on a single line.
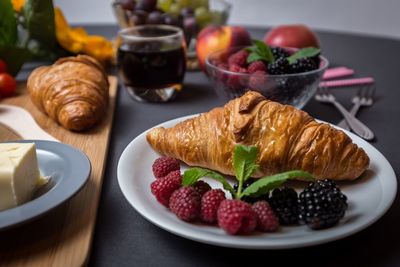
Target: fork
[(323, 95), (364, 97)]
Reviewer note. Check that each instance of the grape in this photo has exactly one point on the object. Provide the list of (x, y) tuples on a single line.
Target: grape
[(171, 19), (204, 3), (146, 5), (190, 25), (174, 9), (155, 17), (182, 3), (199, 3), (127, 4), (138, 17), (164, 5), (203, 16), (218, 17), (187, 11)]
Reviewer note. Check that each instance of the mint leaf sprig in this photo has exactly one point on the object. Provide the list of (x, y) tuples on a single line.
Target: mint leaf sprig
[(259, 51), (304, 53), (244, 164)]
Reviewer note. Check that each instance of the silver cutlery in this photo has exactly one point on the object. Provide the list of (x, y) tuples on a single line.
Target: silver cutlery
[(323, 95), (363, 98)]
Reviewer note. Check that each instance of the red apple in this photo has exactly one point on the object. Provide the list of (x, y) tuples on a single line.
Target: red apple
[(214, 38), (295, 35)]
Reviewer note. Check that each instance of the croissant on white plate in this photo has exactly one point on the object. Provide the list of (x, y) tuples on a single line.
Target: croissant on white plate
[(287, 139)]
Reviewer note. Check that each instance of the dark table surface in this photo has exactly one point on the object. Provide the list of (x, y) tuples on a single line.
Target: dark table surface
[(124, 238)]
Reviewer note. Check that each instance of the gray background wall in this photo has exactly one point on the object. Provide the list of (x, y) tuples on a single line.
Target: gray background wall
[(360, 16)]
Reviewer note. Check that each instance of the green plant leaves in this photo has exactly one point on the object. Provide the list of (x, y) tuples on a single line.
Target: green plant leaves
[(304, 53), (39, 21), (244, 161), (8, 24), (259, 51), (192, 175), (15, 57), (265, 184), (244, 158)]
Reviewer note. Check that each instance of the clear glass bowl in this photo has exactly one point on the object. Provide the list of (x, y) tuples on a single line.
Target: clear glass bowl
[(291, 89)]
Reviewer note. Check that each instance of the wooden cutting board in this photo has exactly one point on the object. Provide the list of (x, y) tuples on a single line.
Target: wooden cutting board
[(63, 236)]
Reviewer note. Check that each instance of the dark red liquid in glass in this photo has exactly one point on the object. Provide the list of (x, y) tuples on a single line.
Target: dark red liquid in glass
[(142, 69)]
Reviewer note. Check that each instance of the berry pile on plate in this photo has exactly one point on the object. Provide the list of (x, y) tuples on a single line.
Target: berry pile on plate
[(320, 205)]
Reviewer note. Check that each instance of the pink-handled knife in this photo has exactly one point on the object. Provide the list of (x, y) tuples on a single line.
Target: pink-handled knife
[(337, 72)]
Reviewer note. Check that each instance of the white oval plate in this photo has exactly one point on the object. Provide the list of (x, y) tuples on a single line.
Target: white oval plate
[(369, 198)]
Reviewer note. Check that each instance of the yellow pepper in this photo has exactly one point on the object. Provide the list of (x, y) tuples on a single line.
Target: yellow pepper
[(18, 4), (76, 40)]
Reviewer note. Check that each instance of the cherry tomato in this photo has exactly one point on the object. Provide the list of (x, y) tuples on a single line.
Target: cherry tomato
[(7, 85), (3, 66)]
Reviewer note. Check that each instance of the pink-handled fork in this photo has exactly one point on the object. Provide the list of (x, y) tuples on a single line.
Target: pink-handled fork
[(347, 82)]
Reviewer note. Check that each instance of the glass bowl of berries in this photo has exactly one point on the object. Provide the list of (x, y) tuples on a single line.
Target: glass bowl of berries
[(190, 15), (286, 75)]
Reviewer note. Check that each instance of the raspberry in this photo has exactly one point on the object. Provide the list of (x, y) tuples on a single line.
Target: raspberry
[(239, 58), (210, 203), (258, 80), (223, 66), (256, 66), (236, 217), (185, 203), (201, 187), (162, 189), (266, 218), (164, 165), (237, 68), (235, 81)]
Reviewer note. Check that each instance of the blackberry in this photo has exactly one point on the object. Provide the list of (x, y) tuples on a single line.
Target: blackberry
[(279, 52), (279, 66), (321, 205), (303, 65), (284, 202), (316, 60)]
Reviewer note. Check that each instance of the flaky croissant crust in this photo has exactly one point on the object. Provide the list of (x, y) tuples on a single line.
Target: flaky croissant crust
[(73, 91), (287, 139)]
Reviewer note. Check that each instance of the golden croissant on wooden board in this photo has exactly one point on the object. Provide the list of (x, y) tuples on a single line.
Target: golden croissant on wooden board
[(287, 139), (73, 91)]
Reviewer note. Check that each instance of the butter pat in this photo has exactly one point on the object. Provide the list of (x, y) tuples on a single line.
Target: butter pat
[(19, 173)]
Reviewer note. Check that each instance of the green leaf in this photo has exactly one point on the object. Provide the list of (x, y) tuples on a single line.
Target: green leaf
[(265, 184), (192, 175), (304, 53), (39, 20), (251, 49), (15, 57), (244, 161), (8, 24), (259, 51), (254, 57), (264, 50)]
